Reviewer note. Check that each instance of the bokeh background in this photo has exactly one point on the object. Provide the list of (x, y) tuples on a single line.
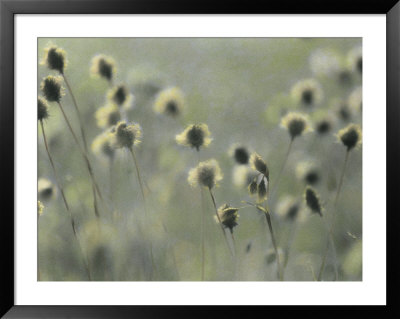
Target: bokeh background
[(239, 87)]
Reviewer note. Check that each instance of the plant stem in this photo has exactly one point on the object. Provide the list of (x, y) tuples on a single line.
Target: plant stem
[(289, 246), (341, 177), (86, 263), (85, 157), (268, 217), (144, 204), (220, 223), (202, 229), (275, 186)]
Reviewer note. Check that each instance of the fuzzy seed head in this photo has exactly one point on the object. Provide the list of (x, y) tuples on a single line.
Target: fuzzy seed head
[(126, 135), (307, 92), (228, 216), (120, 96), (107, 115), (312, 200), (52, 88), (253, 187), (308, 173), (55, 58), (43, 109), (206, 174), (102, 146), (240, 154), (169, 102), (195, 135), (46, 189), (296, 123), (103, 66), (258, 164), (289, 208), (323, 126), (350, 136), (262, 190)]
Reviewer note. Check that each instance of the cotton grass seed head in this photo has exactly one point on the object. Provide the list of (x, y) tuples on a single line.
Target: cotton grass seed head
[(46, 189), (307, 92), (288, 208), (312, 200), (228, 216), (102, 146), (296, 123), (324, 126), (258, 164), (103, 66), (43, 109), (206, 174), (120, 96), (52, 88), (240, 154), (259, 186), (55, 58), (195, 135), (350, 136), (169, 102), (107, 115), (308, 173), (126, 135)]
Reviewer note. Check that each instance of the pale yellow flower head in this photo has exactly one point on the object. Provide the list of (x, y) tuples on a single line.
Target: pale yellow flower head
[(296, 123), (206, 174), (169, 102), (126, 135), (195, 135)]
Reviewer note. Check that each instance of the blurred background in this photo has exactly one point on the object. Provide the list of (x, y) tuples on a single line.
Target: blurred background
[(241, 88)]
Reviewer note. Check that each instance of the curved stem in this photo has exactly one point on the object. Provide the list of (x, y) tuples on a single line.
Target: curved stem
[(220, 223), (86, 262)]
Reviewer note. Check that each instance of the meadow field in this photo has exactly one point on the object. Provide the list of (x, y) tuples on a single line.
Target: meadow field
[(189, 159)]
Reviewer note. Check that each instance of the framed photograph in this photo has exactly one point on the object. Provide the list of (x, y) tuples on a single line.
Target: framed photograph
[(198, 155)]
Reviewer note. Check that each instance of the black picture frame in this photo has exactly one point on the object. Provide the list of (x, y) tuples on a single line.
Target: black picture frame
[(8, 10)]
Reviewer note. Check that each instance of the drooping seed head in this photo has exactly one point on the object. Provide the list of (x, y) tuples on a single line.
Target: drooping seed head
[(52, 88), (102, 145), (312, 200), (262, 190), (240, 154), (350, 136), (253, 187), (296, 123), (228, 216), (307, 92), (126, 135), (195, 135), (40, 208), (46, 189), (103, 66), (55, 58), (43, 109), (169, 102), (258, 164), (107, 115), (206, 174)]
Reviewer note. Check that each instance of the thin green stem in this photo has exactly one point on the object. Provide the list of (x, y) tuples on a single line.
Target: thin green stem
[(275, 186), (95, 187), (268, 217), (86, 263), (341, 177), (220, 223), (202, 270)]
